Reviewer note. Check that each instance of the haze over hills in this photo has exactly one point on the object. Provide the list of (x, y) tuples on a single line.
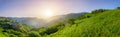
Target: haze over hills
[(39, 22)]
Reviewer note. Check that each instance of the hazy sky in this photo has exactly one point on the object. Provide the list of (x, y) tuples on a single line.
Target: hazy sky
[(38, 7)]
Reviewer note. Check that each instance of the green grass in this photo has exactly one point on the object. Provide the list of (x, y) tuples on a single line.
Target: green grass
[(1, 33), (106, 24)]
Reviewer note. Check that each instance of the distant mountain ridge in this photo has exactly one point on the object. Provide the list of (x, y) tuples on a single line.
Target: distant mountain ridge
[(38, 22)]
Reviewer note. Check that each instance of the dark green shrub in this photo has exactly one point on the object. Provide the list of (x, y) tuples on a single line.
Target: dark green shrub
[(118, 7), (71, 21), (98, 11), (12, 35), (33, 34)]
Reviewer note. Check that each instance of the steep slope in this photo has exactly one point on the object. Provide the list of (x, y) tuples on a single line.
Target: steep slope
[(1, 33), (106, 24)]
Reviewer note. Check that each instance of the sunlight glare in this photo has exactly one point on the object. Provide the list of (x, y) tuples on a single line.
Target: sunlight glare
[(48, 12)]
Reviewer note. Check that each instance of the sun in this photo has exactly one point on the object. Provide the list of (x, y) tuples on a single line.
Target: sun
[(48, 12)]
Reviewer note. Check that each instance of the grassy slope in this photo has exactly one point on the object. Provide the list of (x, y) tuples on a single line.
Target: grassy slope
[(106, 24), (1, 33)]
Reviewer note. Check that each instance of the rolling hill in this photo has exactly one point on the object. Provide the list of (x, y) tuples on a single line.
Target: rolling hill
[(104, 24)]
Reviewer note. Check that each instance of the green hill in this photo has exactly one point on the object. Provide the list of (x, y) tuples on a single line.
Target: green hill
[(98, 23), (8, 28), (104, 24)]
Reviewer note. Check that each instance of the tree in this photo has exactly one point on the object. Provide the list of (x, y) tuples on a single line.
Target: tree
[(98, 11), (71, 21), (118, 7), (87, 15)]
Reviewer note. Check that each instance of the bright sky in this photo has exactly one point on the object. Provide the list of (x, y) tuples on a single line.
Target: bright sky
[(36, 8)]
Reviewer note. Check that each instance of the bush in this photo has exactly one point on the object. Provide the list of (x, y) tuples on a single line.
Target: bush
[(85, 16), (12, 35), (51, 29), (118, 7), (13, 32), (71, 21), (33, 34), (42, 31), (98, 11)]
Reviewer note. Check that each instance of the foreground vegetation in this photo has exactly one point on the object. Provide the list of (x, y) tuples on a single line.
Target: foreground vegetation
[(98, 23)]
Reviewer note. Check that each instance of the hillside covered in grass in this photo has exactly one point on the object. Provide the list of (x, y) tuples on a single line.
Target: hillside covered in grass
[(99, 24)]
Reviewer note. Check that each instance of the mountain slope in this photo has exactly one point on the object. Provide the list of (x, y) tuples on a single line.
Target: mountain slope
[(105, 24), (1, 33), (8, 28), (39, 22)]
